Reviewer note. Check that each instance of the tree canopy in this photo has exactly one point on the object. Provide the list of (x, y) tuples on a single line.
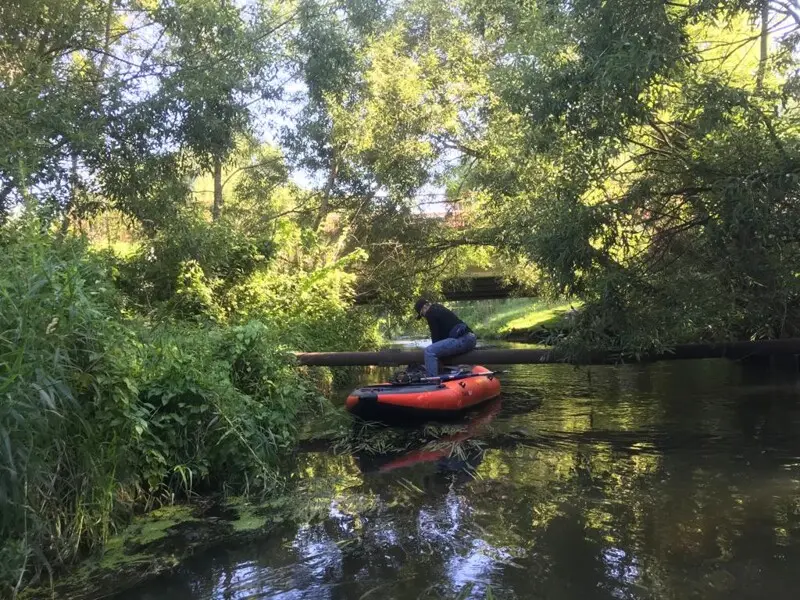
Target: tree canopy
[(192, 189), (639, 155)]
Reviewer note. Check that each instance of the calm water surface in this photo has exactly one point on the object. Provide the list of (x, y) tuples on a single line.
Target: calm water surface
[(676, 480)]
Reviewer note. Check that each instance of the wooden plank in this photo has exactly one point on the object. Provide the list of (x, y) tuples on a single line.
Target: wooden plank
[(506, 356)]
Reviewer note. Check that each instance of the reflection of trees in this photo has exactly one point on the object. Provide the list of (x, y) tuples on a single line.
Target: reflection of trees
[(652, 507), (662, 482)]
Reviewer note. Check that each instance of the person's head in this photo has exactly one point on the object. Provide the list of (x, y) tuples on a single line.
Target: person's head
[(421, 307)]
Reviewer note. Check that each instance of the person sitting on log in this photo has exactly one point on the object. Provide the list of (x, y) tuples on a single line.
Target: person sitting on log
[(450, 336)]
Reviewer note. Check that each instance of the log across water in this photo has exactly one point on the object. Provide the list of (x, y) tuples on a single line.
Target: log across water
[(506, 356)]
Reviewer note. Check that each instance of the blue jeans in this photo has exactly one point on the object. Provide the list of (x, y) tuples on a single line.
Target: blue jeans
[(447, 347)]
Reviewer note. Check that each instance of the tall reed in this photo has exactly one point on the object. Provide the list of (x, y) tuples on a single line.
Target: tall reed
[(103, 412)]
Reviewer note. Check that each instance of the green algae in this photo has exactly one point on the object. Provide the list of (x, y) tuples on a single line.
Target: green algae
[(250, 519), (155, 543), (149, 528), (160, 540)]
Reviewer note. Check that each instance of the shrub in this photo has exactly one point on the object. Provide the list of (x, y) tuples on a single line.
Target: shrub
[(312, 308), (102, 412), (223, 257), (66, 374)]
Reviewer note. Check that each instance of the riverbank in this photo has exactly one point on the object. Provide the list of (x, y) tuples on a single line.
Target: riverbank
[(161, 540), (524, 320), (608, 464), (114, 404)]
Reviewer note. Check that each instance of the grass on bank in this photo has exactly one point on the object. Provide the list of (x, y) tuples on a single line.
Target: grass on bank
[(515, 317)]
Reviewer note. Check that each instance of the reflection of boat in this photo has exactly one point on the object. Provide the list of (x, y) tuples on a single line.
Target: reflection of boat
[(455, 391), (448, 452)]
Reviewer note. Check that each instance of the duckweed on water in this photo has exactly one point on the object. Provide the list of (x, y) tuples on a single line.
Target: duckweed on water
[(251, 518), (158, 542), (150, 528)]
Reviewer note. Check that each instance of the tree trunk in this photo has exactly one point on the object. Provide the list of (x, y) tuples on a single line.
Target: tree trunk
[(762, 63), (107, 40), (324, 206), (4, 194), (216, 209), (74, 184), (74, 178)]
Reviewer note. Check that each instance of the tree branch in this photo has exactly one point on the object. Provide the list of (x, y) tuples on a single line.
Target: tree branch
[(255, 166), (762, 63)]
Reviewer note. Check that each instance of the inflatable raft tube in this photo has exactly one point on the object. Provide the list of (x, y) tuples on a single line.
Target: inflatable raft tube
[(449, 397)]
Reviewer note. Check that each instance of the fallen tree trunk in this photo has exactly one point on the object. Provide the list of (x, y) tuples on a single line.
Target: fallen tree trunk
[(525, 356)]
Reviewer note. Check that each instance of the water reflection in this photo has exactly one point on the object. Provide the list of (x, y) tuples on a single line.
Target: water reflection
[(678, 480)]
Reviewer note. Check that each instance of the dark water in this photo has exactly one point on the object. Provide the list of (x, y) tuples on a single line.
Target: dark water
[(676, 480)]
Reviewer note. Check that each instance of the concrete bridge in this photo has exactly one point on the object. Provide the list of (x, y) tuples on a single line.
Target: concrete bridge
[(483, 287), (473, 286)]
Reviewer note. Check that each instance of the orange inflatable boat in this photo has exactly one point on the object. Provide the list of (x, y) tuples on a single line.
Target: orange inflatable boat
[(455, 391)]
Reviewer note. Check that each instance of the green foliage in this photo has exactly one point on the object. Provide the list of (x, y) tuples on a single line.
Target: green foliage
[(64, 366), (652, 166), (127, 98), (49, 95), (100, 412), (222, 404), (194, 295), (312, 307), (190, 254)]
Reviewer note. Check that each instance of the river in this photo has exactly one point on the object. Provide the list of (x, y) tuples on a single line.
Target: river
[(673, 480)]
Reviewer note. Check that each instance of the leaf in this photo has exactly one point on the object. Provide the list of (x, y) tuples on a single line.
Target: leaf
[(45, 396), (465, 591)]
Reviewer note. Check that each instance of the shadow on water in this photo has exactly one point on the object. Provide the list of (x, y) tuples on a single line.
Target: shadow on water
[(675, 480)]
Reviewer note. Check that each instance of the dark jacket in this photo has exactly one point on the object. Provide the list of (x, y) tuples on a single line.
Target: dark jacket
[(442, 323)]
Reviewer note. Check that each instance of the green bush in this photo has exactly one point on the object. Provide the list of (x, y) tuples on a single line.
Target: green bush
[(190, 246), (194, 294), (102, 412), (311, 307), (66, 373), (222, 405), (209, 272)]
